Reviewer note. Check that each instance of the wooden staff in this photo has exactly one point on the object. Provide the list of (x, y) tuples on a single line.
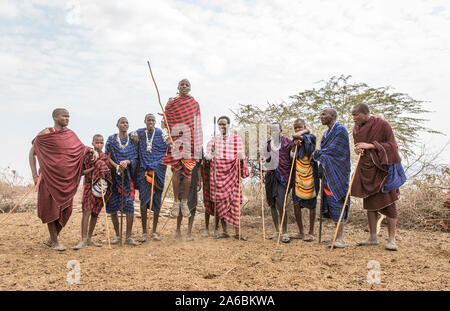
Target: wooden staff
[(239, 196), (345, 203), (216, 222), (121, 211), (159, 100), (285, 195), (106, 218), (151, 201), (262, 198), (21, 200), (164, 197), (320, 208)]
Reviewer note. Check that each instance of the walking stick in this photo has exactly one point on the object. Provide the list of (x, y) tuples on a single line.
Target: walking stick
[(345, 203), (106, 218), (151, 201), (262, 198), (121, 211), (321, 208), (159, 100), (22, 199), (164, 197), (239, 196), (285, 195), (216, 222)]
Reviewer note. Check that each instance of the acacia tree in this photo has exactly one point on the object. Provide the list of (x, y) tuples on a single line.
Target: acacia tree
[(404, 113)]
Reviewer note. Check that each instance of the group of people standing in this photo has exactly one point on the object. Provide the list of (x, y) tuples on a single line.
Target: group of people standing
[(138, 161)]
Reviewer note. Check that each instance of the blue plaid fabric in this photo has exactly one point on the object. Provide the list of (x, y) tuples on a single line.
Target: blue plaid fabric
[(396, 178), (334, 157), (120, 154), (151, 161)]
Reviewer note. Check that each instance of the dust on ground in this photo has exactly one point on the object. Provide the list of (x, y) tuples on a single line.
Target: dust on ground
[(422, 262)]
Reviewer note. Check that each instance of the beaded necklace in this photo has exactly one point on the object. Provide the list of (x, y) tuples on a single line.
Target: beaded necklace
[(149, 142), (120, 144)]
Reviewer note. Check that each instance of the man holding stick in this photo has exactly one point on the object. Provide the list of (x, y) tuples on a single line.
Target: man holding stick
[(380, 173), (61, 155), (123, 155), (151, 173), (223, 193), (334, 158)]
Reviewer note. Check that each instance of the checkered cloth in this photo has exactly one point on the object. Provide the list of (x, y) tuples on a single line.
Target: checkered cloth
[(227, 196), (183, 116), (101, 170)]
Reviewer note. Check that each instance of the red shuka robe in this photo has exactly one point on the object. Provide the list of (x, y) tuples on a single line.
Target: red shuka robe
[(60, 155)]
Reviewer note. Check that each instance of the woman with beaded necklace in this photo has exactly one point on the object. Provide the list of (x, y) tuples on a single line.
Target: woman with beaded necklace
[(122, 153)]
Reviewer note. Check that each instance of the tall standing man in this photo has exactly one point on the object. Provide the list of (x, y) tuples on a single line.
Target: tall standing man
[(334, 158), (223, 193), (185, 151), (123, 155), (60, 154), (151, 173), (379, 174)]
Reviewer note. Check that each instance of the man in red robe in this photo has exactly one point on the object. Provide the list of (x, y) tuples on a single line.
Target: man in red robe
[(61, 154), (185, 149), (379, 174)]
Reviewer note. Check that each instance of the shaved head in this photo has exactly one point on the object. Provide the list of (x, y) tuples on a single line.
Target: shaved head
[(331, 112), (363, 108), (58, 111)]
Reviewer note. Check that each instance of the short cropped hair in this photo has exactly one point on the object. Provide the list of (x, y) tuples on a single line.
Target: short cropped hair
[(224, 117), (300, 121), (364, 108), (332, 112), (57, 111), (149, 114), (97, 136), (121, 119)]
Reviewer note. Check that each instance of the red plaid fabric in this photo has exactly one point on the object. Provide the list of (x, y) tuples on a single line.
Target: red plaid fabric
[(187, 166), (226, 185), (183, 116), (102, 170)]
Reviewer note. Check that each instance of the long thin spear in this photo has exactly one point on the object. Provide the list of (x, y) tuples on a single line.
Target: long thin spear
[(262, 198), (216, 222), (18, 203), (151, 201), (106, 217), (321, 209), (239, 196), (345, 202), (121, 211), (285, 195), (159, 100)]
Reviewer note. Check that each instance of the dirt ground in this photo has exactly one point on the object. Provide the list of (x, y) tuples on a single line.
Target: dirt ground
[(422, 262)]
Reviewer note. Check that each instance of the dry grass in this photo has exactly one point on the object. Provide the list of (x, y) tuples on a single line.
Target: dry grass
[(421, 205)]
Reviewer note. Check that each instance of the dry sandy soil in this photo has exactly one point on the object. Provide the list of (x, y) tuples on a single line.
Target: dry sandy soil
[(422, 262)]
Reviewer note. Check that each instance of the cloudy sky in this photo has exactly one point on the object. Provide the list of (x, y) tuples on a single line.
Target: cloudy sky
[(90, 56)]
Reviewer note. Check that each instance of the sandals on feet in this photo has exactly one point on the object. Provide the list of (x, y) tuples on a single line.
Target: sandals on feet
[(391, 246), (367, 242), (243, 238), (185, 209), (309, 238), (285, 238), (131, 242), (340, 244), (273, 236), (223, 235), (155, 237), (298, 236), (92, 243), (175, 211)]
